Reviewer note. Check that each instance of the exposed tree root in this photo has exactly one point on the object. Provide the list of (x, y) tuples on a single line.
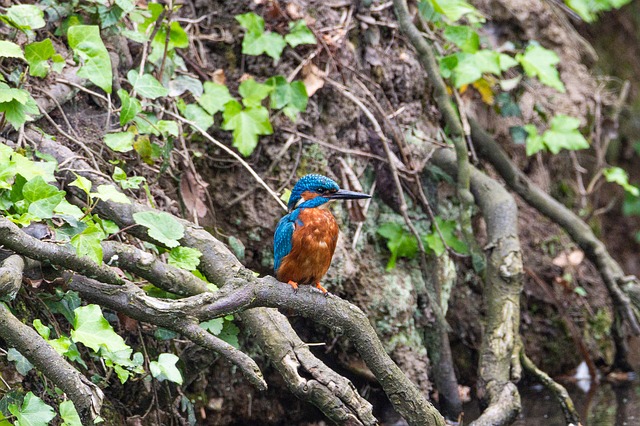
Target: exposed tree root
[(568, 409), (503, 284), (619, 285)]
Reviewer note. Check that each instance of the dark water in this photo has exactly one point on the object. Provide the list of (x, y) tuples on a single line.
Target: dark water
[(604, 405)]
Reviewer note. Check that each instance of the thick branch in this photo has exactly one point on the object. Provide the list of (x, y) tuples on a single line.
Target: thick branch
[(611, 272), (441, 96), (503, 284), (571, 416), (11, 237), (10, 277), (219, 265), (133, 302), (86, 396)]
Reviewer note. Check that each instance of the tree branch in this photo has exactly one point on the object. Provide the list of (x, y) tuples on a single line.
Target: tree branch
[(10, 277), (503, 285), (86, 396), (220, 265), (571, 416), (610, 270)]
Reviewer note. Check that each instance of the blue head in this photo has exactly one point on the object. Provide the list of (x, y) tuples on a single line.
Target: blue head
[(315, 190)]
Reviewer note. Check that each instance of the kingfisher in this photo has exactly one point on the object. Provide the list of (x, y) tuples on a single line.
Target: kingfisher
[(306, 237)]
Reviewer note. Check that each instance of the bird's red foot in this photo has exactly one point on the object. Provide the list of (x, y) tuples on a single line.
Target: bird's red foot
[(322, 289), (294, 285)]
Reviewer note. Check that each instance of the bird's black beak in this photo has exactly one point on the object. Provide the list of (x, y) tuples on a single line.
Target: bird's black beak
[(343, 194)]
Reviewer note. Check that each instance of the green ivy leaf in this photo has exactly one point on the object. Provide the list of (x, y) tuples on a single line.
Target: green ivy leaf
[(110, 193), (168, 127), (165, 368), (562, 134), (246, 124), (299, 34), (620, 176), (253, 92), (130, 108), (121, 178), (41, 197), (42, 329), (161, 226), (214, 97), (631, 205), (540, 62), (258, 41), (230, 333), (185, 258), (86, 43), (198, 115), (83, 183), (11, 50), (92, 330), (399, 242), (292, 97), (17, 105), (464, 37), (146, 85), (120, 141), (69, 414), (456, 9), (26, 16), (22, 363), (37, 54), (34, 412), (214, 326), (87, 243)]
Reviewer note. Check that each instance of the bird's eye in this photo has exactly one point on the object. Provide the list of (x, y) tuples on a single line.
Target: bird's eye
[(320, 190)]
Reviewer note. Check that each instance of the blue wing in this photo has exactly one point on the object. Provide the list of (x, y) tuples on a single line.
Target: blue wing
[(282, 240)]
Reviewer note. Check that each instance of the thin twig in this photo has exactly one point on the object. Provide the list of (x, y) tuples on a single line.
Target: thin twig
[(230, 152)]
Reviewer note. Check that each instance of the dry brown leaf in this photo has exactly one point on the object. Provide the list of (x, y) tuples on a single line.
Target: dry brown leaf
[(564, 260), (293, 11), (218, 77), (313, 78), (192, 191), (245, 76)]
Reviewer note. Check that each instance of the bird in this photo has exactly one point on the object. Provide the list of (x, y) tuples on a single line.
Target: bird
[(306, 237)]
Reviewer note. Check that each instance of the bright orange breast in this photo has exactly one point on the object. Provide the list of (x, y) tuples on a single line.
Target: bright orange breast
[(312, 247)]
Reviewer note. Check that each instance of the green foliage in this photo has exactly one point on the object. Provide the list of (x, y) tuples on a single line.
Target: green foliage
[(562, 134), (24, 17), (87, 243), (290, 97), (22, 364), (32, 412), (41, 197), (448, 229), (214, 98), (69, 414), (86, 43), (464, 37), (256, 40), (17, 105), (540, 62), (120, 141), (466, 68), (185, 258), (452, 10), (589, 9), (161, 226), (299, 34), (9, 49), (620, 176), (247, 124), (38, 54), (165, 368), (130, 108), (400, 242), (146, 85)]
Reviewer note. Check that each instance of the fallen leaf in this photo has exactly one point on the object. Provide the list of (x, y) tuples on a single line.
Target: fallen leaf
[(293, 11), (192, 191), (219, 77), (313, 79), (573, 258)]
